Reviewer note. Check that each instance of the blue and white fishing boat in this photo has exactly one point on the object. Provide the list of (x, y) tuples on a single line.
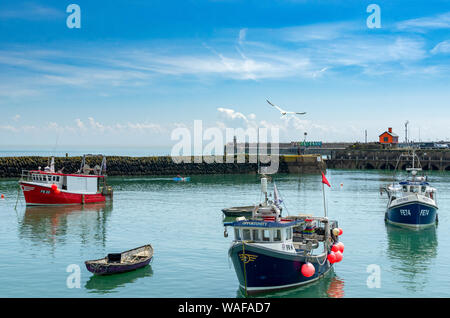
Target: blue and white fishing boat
[(273, 253), (412, 202)]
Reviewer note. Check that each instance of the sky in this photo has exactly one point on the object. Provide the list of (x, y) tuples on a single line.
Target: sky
[(136, 70)]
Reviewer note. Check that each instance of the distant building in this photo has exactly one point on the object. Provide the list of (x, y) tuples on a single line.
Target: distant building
[(388, 137)]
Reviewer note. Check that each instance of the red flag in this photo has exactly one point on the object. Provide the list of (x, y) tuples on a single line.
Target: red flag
[(324, 180)]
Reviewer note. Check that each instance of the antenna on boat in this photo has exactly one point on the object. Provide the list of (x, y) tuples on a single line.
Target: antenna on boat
[(257, 151)]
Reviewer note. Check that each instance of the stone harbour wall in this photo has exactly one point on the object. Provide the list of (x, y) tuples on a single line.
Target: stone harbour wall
[(11, 167)]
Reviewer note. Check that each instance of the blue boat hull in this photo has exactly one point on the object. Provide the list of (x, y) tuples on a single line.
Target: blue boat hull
[(182, 179), (413, 214), (268, 270)]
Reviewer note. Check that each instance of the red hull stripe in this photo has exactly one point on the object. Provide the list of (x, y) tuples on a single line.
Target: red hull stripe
[(35, 194)]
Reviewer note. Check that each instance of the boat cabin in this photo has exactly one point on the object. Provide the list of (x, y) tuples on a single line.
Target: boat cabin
[(264, 231), (406, 188), (265, 235), (292, 235), (74, 183)]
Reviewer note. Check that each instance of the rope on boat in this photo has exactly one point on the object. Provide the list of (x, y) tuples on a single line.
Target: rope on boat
[(324, 260)]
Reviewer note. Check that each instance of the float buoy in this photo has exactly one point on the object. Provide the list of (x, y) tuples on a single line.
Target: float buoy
[(2, 196), (339, 257), (340, 231), (335, 248), (340, 246), (335, 231), (54, 187), (331, 257), (308, 269)]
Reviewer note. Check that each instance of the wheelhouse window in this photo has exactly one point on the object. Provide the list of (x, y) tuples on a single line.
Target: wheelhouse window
[(246, 235), (237, 234), (266, 235), (288, 233), (277, 235), (256, 236)]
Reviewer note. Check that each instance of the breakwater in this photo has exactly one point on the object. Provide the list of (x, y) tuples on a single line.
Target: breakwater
[(386, 159), (11, 167)]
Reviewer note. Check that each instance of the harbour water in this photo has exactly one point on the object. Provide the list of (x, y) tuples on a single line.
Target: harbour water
[(183, 222)]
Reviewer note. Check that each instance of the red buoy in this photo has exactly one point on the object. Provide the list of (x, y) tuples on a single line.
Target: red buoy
[(340, 246), (54, 187), (335, 248), (2, 196), (331, 258), (308, 269), (339, 257), (340, 231), (57, 191)]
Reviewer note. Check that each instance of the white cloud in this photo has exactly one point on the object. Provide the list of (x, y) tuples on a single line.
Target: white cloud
[(442, 47), (31, 11), (232, 115), (242, 35), (440, 21)]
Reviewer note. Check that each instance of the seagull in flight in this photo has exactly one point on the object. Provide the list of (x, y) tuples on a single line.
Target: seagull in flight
[(284, 112)]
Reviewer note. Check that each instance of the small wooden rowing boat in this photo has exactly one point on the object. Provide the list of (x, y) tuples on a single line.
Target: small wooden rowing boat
[(239, 211), (121, 262)]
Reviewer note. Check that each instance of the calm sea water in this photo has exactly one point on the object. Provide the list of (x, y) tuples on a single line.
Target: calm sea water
[(183, 222)]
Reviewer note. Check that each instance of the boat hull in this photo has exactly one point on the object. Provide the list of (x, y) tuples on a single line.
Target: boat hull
[(414, 214), (109, 269), (263, 270), (44, 195)]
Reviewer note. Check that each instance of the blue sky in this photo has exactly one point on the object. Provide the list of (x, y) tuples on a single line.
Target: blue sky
[(136, 70)]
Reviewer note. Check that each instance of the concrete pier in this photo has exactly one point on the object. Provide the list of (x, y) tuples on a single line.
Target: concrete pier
[(386, 159)]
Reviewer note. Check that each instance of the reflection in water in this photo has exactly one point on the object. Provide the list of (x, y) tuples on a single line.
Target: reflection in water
[(336, 288), (412, 251), (107, 284), (329, 286), (52, 224)]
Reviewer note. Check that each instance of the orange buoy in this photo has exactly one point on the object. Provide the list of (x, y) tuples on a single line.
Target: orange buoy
[(331, 257), (340, 231), (340, 246), (308, 269), (3, 196), (339, 257), (335, 248), (54, 187)]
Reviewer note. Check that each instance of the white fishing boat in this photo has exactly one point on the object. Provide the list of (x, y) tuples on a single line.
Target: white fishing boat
[(412, 201)]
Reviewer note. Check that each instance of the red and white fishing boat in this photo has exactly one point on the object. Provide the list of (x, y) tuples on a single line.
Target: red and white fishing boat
[(47, 187)]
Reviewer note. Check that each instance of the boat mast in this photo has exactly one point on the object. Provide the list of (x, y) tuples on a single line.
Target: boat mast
[(257, 151), (264, 188)]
